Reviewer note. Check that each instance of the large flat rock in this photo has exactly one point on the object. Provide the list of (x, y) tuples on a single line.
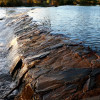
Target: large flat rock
[(51, 67)]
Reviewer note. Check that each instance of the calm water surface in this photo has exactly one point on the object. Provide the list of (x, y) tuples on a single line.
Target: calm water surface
[(79, 23)]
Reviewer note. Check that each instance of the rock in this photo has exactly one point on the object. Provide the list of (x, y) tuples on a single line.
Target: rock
[(22, 72), (2, 18), (95, 72), (86, 86), (55, 80), (96, 63), (50, 70), (37, 57), (36, 73), (27, 93), (97, 81), (54, 47), (60, 93), (17, 63), (92, 98), (90, 95)]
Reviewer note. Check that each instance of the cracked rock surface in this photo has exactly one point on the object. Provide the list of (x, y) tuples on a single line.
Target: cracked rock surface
[(46, 67)]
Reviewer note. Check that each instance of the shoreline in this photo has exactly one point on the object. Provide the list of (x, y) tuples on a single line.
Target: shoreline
[(48, 6), (48, 67), (54, 5)]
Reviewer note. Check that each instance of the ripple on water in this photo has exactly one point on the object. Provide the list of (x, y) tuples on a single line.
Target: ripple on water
[(81, 22)]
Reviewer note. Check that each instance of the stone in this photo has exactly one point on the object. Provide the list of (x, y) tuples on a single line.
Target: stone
[(93, 98), (37, 57), (17, 63), (60, 93), (95, 72), (22, 72), (51, 67), (27, 93), (54, 47), (52, 81), (96, 63), (86, 86)]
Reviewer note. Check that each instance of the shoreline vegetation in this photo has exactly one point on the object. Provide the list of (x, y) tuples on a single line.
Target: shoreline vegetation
[(47, 3)]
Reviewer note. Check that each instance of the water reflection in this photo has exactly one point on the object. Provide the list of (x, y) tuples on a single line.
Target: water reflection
[(76, 22)]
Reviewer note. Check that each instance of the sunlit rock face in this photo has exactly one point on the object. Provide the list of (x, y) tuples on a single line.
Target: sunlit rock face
[(49, 67)]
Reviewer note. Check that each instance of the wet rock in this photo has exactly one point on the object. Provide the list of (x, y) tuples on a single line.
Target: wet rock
[(96, 63), (60, 93), (11, 97), (17, 64), (50, 70), (5, 77), (5, 80), (92, 98), (52, 81), (36, 73), (37, 57), (27, 93), (92, 95), (97, 81), (2, 18), (22, 72), (95, 72), (92, 83), (54, 47), (86, 86)]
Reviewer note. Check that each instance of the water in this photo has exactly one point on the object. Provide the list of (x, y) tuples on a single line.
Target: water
[(79, 23), (7, 33), (6, 36)]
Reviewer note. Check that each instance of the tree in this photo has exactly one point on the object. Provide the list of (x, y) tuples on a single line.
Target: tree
[(30, 2), (2, 4)]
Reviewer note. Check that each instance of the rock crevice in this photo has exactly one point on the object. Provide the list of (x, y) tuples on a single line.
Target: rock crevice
[(49, 68)]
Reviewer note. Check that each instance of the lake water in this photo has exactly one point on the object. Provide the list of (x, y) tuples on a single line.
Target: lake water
[(79, 23), (6, 35)]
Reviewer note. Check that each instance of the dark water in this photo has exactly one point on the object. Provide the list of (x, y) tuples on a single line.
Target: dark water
[(79, 23)]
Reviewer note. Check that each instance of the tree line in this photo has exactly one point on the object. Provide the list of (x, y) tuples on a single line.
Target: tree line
[(11, 3), (80, 2)]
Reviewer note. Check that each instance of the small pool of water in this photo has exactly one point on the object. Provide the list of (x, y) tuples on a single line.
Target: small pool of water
[(79, 23)]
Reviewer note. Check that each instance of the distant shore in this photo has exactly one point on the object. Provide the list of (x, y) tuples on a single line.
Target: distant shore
[(47, 5), (31, 3)]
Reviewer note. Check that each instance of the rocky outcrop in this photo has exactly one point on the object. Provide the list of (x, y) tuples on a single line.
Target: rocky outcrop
[(51, 67)]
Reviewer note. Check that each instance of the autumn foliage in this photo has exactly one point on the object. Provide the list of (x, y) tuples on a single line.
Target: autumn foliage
[(47, 2)]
